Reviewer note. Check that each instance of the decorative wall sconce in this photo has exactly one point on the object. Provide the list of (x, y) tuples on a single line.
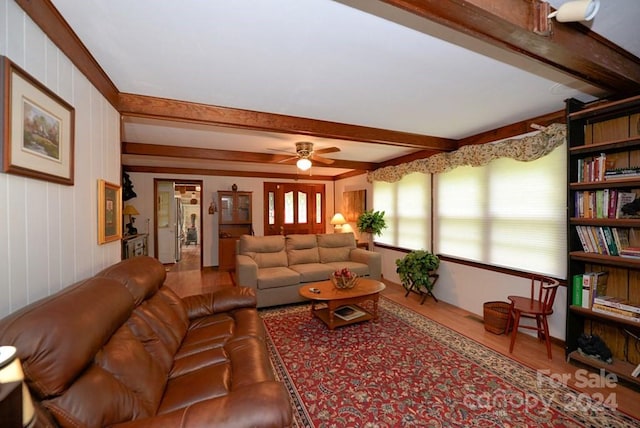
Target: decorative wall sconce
[(576, 11), (213, 208)]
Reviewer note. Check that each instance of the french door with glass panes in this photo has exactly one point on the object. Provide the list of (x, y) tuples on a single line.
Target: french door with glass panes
[(294, 208)]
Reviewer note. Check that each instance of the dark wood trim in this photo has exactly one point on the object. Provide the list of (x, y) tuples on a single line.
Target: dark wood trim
[(506, 271), (514, 129), (507, 131), (570, 47), (47, 17), (162, 108), (224, 173), (228, 155)]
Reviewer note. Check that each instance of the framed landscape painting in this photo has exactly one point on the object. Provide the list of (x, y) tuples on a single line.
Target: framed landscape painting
[(109, 212), (37, 128)]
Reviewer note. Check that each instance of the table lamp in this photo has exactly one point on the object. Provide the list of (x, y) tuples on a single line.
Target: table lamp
[(130, 210), (337, 221), (11, 372)]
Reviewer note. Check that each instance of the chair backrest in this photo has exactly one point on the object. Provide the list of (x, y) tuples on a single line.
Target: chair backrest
[(545, 288)]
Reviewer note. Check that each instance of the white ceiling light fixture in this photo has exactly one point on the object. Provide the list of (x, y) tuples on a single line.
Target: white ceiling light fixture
[(303, 164), (576, 10)]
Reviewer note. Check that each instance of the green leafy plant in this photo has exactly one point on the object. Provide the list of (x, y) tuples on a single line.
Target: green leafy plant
[(371, 222), (417, 270)]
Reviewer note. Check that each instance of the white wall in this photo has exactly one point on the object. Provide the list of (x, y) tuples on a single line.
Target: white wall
[(48, 232), (143, 186), (468, 287)]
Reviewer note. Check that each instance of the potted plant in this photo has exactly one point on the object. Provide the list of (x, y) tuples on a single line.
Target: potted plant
[(371, 222), (417, 271)]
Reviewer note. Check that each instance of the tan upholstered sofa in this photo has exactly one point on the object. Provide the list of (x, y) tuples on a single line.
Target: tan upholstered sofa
[(120, 349), (275, 266)]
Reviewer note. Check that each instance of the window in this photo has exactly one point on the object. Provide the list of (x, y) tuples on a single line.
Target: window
[(507, 213), (407, 207)]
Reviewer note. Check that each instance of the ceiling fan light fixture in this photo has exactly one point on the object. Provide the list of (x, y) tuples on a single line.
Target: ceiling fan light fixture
[(303, 164), (576, 10)]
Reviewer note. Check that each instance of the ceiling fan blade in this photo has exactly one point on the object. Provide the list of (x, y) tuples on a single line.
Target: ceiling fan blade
[(289, 152), (321, 159), (326, 150), (290, 160)]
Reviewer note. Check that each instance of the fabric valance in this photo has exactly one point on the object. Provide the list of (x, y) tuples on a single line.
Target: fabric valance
[(525, 149)]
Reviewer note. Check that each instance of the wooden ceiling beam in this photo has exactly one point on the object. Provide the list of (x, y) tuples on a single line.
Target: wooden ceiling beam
[(224, 173), (162, 108), (229, 155), (570, 47)]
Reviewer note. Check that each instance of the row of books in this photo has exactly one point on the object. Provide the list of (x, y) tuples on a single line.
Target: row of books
[(589, 290), (621, 173), (596, 168), (610, 241), (617, 307), (587, 286), (592, 169), (602, 203)]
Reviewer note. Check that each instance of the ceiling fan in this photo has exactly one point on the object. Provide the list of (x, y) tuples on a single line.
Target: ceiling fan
[(305, 154)]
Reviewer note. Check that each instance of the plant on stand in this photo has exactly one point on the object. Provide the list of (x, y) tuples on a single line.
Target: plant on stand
[(372, 223), (417, 272)]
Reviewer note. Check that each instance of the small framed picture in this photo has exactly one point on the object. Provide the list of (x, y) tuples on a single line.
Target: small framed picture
[(109, 212), (37, 128)]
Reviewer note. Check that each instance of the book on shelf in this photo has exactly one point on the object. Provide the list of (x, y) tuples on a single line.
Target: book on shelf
[(618, 303), (576, 291), (625, 198), (348, 312), (632, 252), (593, 284), (614, 312)]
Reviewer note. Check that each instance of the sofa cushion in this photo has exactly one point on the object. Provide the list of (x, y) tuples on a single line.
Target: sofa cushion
[(313, 272), (266, 251), (335, 247), (277, 277), (302, 249), (71, 326)]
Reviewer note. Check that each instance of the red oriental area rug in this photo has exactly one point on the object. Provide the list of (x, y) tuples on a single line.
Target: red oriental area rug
[(407, 370)]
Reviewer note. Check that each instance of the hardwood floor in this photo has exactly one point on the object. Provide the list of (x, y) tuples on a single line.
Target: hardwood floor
[(528, 350)]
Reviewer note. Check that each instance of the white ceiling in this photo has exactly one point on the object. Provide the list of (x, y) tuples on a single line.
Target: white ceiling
[(319, 59)]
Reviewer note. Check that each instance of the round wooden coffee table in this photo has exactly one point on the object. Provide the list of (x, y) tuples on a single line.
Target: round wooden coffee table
[(335, 298)]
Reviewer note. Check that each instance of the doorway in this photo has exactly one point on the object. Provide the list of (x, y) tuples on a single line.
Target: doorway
[(178, 213), (294, 208)]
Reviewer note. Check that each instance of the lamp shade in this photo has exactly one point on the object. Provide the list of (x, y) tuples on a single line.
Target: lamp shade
[(130, 210), (11, 371), (303, 164), (346, 228), (338, 218)]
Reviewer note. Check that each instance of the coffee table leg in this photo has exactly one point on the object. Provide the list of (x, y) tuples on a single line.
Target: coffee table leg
[(331, 307)]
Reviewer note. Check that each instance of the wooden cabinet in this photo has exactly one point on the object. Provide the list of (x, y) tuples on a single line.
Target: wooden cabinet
[(603, 136), (234, 220), (134, 245)]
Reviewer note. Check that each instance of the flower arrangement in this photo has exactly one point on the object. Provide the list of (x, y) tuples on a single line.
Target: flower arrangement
[(344, 278)]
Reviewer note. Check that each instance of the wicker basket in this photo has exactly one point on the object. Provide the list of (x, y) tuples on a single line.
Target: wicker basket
[(496, 315)]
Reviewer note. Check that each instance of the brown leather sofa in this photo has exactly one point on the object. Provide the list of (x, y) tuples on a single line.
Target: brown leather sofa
[(121, 350)]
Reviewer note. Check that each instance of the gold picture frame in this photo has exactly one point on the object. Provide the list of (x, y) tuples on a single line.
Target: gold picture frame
[(37, 128), (109, 212)]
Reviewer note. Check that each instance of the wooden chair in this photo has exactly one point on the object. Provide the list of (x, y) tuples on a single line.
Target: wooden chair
[(538, 306)]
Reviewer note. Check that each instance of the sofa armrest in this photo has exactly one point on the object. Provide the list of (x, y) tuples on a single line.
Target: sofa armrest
[(371, 259), (224, 300), (246, 271), (264, 404)]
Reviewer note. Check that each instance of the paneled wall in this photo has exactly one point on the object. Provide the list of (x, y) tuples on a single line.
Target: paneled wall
[(48, 232)]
